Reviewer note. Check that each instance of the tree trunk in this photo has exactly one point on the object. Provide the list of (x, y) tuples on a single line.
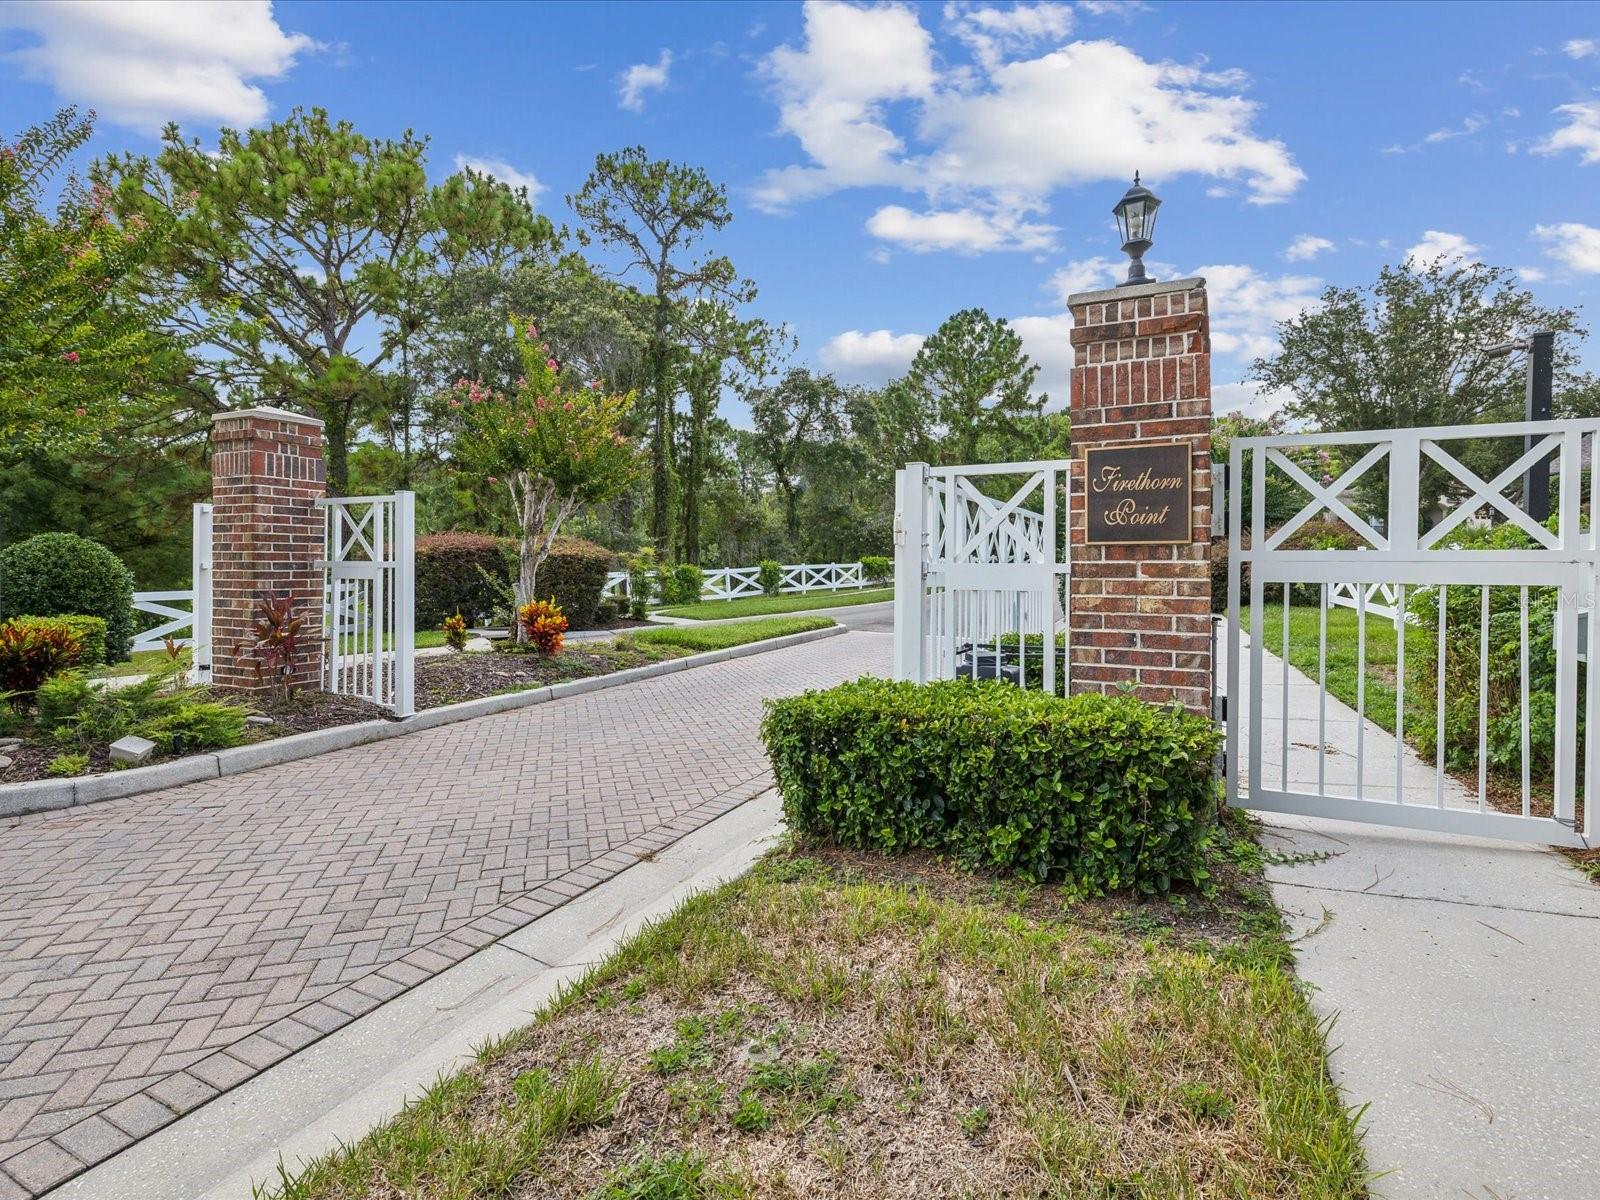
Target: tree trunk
[(338, 455), (661, 451)]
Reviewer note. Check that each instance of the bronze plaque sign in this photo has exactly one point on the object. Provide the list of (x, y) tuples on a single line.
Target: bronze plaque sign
[(1139, 495)]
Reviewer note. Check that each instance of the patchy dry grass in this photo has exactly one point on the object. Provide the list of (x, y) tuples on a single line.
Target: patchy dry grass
[(844, 1026)]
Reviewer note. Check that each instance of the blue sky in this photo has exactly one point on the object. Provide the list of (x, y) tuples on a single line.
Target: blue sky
[(890, 164)]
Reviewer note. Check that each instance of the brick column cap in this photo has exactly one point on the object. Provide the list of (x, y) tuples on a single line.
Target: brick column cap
[(1137, 290), (265, 413)]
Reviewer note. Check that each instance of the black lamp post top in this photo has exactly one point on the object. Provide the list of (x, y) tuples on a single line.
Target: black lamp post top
[(1136, 218)]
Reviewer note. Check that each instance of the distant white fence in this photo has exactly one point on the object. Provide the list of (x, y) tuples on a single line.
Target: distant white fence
[(190, 626), (730, 583)]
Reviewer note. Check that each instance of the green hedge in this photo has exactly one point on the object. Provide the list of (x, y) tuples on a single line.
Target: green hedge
[(575, 575), (450, 576), (91, 632), (876, 568), (472, 573), (61, 574), (1099, 792)]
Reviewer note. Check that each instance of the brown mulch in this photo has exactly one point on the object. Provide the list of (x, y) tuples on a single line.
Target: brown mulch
[(452, 678)]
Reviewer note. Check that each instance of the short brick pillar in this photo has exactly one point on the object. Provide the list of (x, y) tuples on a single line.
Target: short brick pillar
[(266, 536), (1141, 614)]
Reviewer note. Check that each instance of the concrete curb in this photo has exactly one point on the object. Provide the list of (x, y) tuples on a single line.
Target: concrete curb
[(44, 795)]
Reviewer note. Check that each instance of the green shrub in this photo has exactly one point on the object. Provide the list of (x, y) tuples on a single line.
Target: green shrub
[(1099, 792), (875, 568), (32, 649), (67, 764), (769, 574), (681, 584), (641, 583), (91, 632), (55, 574), (159, 707), (574, 576), (468, 573)]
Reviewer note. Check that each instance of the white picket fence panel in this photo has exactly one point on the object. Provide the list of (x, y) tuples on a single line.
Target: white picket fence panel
[(1506, 590), (732, 583), (369, 599), (981, 580)]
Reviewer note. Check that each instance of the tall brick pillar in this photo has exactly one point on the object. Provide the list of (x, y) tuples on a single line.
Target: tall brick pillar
[(1141, 614), (266, 535)]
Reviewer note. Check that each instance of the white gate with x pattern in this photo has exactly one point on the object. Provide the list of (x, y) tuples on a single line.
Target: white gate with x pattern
[(1475, 655), (369, 599), (981, 568)]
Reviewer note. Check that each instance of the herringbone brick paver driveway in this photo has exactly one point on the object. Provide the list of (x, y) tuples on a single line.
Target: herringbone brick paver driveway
[(158, 949)]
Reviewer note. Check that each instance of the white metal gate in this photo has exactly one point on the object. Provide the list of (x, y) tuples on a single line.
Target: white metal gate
[(369, 599), (981, 565), (1493, 609)]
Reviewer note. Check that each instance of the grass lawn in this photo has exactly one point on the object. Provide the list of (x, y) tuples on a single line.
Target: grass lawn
[(720, 637), (858, 1027), (751, 606), (1343, 657)]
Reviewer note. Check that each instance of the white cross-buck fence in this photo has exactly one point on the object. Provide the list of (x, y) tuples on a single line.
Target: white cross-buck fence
[(190, 627), (1476, 653), (369, 599), (981, 573), (731, 583)]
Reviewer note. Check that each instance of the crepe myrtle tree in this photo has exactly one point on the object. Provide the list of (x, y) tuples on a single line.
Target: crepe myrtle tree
[(554, 442)]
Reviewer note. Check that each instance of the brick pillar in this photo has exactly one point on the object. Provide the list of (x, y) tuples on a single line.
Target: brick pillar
[(1141, 614), (266, 534)]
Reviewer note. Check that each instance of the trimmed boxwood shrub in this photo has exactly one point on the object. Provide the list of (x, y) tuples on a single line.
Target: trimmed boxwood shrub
[(62, 574), (575, 575), (450, 576), (1097, 792)]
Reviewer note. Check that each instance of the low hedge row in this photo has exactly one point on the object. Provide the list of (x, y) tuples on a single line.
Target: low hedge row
[(471, 573), (1098, 792)]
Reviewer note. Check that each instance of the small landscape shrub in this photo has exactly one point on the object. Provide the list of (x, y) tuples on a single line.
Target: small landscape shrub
[(468, 573), (91, 632), (56, 574), (178, 718), (1097, 792), (574, 576), (455, 632), (641, 586), (32, 649), (544, 625), (607, 611), (769, 574), (67, 764), (876, 568), (681, 584)]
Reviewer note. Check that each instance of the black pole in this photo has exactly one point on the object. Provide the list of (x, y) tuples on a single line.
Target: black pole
[(1541, 381)]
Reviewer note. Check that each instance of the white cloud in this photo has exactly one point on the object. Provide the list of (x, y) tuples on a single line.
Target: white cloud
[(1580, 133), (1246, 306), (869, 104), (874, 357), (499, 168), (1436, 246), (1581, 48), (965, 231), (1250, 399), (1048, 342), (1531, 274), (1306, 247), (146, 62), (994, 34), (1468, 127), (1577, 246), (640, 78), (1084, 275)]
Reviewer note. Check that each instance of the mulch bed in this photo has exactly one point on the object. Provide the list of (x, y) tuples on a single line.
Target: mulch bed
[(452, 678)]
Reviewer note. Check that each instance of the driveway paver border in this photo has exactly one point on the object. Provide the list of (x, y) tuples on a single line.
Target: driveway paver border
[(45, 795), (56, 1159)]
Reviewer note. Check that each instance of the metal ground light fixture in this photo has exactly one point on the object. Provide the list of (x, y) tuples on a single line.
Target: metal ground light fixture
[(1136, 218)]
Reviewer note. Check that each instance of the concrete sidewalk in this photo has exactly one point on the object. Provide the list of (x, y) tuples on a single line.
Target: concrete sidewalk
[(1462, 977)]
